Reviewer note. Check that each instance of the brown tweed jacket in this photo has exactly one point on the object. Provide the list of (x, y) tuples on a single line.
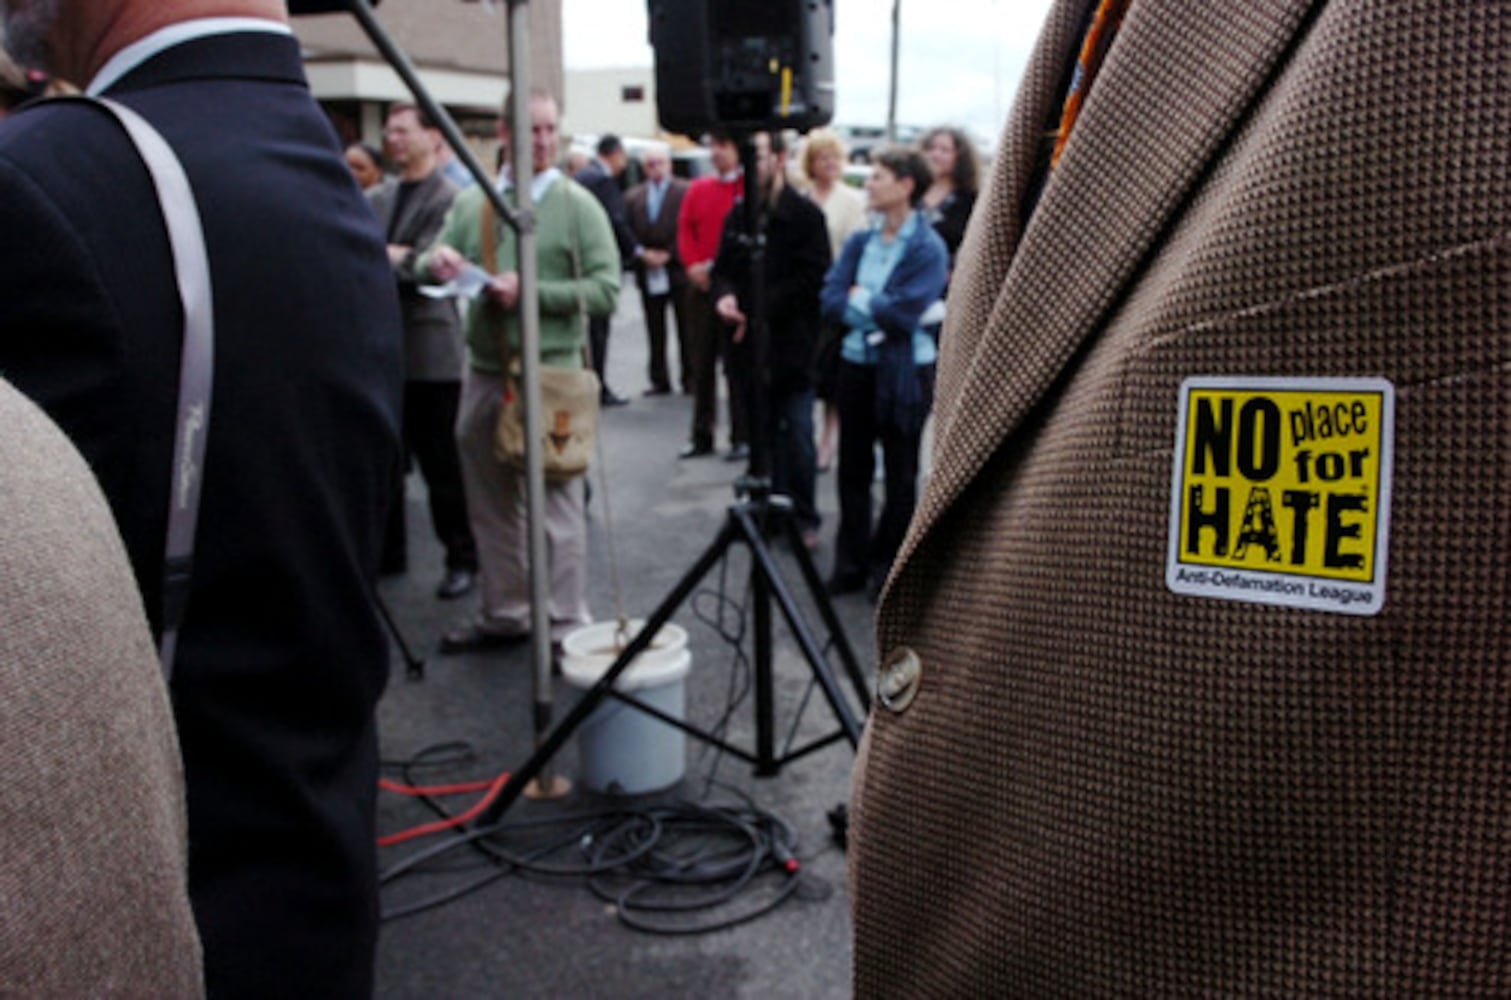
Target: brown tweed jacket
[(1104, 786), (93, 868)]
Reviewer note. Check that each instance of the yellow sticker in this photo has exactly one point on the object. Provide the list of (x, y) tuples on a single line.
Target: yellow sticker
[(1281, 492)]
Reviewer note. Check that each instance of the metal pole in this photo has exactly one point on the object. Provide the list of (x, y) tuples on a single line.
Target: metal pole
[(529, 356), (522, 220), (396, 58), (892, 86)]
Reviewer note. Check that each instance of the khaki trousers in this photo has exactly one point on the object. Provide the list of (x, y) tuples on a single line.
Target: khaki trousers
[(496, 498)]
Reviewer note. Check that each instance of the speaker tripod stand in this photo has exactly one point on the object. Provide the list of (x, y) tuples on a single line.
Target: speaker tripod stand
[(746, 524)]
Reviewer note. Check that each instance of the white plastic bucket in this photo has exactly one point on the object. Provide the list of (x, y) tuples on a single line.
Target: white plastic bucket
[(621, 748)]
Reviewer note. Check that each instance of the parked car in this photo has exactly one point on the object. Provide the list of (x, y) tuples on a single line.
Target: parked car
[(692, 163), (855, 174)]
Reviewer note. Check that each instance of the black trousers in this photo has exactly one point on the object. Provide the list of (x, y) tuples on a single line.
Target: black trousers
[(858, 551), (598, 342), (710, 339), (430, 440), (655, 307)]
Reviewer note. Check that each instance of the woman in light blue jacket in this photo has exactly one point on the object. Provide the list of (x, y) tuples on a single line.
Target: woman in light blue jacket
[(884, 280)]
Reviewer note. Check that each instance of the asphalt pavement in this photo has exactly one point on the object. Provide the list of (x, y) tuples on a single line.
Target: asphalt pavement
[(471, 718)]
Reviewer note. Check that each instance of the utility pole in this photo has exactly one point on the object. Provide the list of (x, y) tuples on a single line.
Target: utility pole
[(892, 88)]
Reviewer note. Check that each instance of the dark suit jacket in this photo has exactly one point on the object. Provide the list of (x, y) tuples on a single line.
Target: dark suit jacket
[(433, 350), (1089, 783), (605, 188), (282, 655), (797, 255), (658, 235)]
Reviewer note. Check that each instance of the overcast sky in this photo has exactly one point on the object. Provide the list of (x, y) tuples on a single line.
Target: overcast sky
[(960, 60)]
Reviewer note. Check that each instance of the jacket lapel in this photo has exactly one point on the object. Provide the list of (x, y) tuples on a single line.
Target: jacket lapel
[(1175, 86), (416, 203)]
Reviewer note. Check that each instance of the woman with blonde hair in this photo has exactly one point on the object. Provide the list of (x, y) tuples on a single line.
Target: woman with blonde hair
[(844, 212)]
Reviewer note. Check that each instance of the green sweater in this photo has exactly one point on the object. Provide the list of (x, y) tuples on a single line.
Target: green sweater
[(561, 328)]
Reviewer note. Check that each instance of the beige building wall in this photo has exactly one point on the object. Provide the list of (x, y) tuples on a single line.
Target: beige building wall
[(622, 101), (460, 50)]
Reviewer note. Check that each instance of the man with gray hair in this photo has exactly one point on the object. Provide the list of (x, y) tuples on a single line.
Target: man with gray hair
[(652, 208), (281, 655)]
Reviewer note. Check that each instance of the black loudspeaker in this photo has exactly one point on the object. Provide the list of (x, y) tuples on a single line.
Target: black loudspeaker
[(743, 65)]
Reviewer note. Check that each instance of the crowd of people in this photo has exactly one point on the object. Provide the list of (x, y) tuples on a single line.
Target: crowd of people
[(834, 381)]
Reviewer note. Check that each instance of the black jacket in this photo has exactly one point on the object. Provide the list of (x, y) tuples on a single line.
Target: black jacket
[(282, 655), (796, 258), (605, 187)]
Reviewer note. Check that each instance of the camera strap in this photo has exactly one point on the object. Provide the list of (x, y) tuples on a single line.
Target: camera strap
[(191, 265)]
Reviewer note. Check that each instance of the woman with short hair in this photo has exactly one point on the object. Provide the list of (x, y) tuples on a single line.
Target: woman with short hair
[(885, 278)]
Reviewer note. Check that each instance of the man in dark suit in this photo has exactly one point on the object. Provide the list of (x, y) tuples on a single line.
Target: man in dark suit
[(601, 176), (1195, 661), (410, 209), (281, 654), (652, 208)]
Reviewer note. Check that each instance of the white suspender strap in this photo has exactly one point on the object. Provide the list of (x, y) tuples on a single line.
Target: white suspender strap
[(191, 264)]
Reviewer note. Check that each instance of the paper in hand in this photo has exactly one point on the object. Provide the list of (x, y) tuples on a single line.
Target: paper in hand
[(469, 284)]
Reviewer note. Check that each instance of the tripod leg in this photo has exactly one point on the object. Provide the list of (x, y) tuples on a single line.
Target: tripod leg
[(767, 567), (820, 595), (765, 684), (414, 667), (548, 747)]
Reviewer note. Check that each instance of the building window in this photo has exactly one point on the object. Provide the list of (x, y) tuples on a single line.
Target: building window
[(633, 94)]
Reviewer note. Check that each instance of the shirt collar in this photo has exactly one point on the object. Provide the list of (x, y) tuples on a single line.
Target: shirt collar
[(904, 231), (142, 49), (539, 184)]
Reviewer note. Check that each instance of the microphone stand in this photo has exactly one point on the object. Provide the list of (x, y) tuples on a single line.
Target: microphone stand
[(522, 220)]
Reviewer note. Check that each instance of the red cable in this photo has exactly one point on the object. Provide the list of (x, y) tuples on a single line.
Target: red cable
[(389, 785), (440, 825)]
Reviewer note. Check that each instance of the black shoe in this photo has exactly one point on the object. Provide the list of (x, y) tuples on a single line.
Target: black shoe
[(695, 449), (472, 637), (846, 583), (610, 398), (455, 583), (658, 390), (738, 453)]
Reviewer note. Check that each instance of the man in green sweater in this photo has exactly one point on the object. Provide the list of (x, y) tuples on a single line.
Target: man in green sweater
[(566, 215)]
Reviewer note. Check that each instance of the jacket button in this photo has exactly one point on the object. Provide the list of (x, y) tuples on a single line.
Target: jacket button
[(897, 682)]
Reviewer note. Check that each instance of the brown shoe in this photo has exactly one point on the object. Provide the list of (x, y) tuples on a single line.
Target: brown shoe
[(472, 637)]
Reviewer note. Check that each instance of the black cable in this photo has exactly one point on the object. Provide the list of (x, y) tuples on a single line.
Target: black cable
[(674, 859), (662, 866)]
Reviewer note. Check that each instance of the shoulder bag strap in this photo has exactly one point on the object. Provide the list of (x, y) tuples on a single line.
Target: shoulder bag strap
[(582, 306), (191, 264), (489, 242)]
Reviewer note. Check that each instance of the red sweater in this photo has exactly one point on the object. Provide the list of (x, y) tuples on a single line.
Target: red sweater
[(701, 221)]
